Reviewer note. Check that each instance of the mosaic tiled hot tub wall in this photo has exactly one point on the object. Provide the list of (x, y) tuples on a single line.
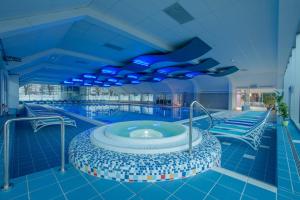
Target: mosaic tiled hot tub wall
[(143, 168)]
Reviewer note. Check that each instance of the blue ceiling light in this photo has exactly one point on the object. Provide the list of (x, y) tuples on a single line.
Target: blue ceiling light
[(77, 80), (106, 85), (98, 82), (133, 76), (141, 62), (192, 74), (68, 82), (113, 80), (157, 79), (87, 84), (167, 70), (89, 76), (109, 70), (118, 83), (135, 82)]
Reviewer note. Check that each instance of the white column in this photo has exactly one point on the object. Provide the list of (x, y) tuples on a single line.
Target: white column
[(292, 84), (13, 93), (231, 96)]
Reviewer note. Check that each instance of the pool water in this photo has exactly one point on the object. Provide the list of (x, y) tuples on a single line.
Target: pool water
[(144, 137), (111, 113), (145, 128)]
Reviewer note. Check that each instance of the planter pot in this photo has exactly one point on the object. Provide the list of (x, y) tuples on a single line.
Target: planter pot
[(285, 123)]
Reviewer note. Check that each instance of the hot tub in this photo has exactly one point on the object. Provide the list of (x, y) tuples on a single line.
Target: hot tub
[(144, 137)]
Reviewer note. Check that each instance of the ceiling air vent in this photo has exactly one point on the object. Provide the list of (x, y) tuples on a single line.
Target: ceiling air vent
[(178, 13), (114, 47)]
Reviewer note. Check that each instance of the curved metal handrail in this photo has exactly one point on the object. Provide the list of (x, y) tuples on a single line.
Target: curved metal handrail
[(191, 122), (6, 184)]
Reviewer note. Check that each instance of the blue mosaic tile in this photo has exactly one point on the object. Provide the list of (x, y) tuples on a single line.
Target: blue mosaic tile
[(127, 167)]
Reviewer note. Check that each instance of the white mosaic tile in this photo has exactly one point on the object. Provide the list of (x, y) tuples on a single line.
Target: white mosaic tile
[(100, 162)]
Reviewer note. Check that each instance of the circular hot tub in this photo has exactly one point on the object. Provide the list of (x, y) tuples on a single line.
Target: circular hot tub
[(143, 151), (144, 137)]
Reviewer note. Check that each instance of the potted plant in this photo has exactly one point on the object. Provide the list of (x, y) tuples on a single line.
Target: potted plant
[(279, 100), (269, 100), (283, 112)]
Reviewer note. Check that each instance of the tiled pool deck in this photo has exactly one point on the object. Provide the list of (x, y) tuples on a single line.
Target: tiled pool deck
[(288, 177), (241, 158), (51, 184)]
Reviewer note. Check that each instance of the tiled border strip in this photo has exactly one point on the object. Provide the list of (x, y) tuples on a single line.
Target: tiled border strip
[(294, 151), (246, 179)]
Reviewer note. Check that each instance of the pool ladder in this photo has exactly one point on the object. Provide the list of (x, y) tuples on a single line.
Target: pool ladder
[(191, 122), (6, 184)]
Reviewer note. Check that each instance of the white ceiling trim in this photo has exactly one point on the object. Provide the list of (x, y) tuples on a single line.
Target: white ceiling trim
[(11, 27), (58, 51)]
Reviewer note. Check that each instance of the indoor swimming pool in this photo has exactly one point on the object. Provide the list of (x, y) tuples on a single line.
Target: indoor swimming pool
[(34, 153), (149, 100), (110, 113)]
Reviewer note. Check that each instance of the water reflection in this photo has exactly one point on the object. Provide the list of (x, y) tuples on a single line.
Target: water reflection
[(125, 112)]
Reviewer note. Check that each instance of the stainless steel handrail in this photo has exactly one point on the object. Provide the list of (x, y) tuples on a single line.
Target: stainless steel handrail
[(191, 122), (6, 183)]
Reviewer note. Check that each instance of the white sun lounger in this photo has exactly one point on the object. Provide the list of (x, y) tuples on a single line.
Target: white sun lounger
[(36, 111), (250, 133)]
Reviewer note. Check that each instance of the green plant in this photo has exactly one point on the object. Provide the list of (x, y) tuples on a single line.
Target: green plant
[(269, 100), (283, 110), (278, 97)]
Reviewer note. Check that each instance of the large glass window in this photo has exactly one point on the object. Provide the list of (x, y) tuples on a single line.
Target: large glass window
[(37, 92), (147, 97), (253, 98)]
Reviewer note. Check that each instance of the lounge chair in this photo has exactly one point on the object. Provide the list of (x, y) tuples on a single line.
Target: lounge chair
[(239, 128), (35, 111)]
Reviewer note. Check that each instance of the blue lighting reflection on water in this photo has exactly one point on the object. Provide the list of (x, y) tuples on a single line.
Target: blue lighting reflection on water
[(116, 113)]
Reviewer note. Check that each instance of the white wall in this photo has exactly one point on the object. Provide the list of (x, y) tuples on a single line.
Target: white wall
[(288, 27), (205, 84), (291, 86)]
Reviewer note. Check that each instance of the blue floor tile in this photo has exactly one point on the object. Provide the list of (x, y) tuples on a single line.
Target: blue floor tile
[(19, 188), (187, 192), (118, 192), (72, 183), (220, 192), (258, 193), (45, 193), (153, 192), (41, 181), (103, 185), (232, 183), (201, 183), (170, 186), (84, 192), (136, 187)]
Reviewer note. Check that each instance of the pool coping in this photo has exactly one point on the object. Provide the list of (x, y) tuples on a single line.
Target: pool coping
[(100, 123), (83, 118), (246, 179)]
